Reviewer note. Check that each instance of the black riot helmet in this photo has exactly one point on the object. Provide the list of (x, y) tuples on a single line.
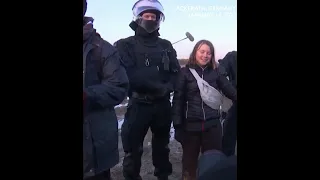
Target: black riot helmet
[(148, 6)]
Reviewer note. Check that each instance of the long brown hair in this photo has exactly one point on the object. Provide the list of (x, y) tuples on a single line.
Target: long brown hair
[(192, 59)]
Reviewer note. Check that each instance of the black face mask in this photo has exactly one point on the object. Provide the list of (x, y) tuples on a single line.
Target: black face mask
[(149, 25)]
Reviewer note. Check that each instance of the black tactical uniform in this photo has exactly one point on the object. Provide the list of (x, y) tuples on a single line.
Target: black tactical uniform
[(228, 67), (152, 66)]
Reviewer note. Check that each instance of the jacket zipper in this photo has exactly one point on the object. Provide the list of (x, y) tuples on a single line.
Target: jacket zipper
[(204, 114)]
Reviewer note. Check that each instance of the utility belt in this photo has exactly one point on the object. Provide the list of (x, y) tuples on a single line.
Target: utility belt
[(149, 98)]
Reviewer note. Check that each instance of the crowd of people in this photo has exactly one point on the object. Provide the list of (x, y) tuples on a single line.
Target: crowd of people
[(145, 68)]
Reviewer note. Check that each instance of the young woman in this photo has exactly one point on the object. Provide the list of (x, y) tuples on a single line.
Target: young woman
[(196, 124)]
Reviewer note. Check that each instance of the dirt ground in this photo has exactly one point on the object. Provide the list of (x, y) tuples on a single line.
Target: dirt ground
[(147, 167)]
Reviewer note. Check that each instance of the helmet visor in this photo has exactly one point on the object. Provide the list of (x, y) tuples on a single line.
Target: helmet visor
[(145, 5)]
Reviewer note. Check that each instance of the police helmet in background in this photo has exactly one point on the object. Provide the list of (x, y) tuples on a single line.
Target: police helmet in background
[(148, 6), (215, 165)]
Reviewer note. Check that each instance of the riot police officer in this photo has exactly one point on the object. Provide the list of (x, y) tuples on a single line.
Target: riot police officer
[(151, 64), (228, 67)]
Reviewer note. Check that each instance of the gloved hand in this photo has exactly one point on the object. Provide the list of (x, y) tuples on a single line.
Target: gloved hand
[(178, 135), (164, 90), (161, 92)]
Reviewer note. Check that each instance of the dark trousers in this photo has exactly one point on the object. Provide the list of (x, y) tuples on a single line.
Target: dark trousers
[(139, 117), (102, 176), (230, 132), (193, 143)]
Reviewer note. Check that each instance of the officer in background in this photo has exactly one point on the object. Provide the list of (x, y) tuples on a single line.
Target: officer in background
[(228, 67), (152, 66), (105, 84)]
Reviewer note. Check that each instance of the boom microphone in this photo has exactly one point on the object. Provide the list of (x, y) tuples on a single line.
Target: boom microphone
[(189, 36)]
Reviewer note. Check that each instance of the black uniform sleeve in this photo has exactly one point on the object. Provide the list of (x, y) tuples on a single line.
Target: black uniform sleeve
[(226, 87), (179, 100), (174, 67), (114, 84)]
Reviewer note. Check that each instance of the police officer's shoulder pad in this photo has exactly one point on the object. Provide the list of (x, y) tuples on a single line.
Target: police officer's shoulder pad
[(230, 55), (117, 43)]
